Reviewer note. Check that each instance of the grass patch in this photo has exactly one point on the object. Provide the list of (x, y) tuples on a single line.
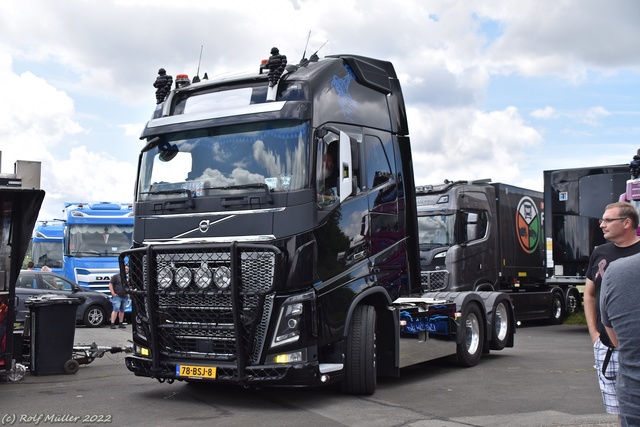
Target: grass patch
[(576, 319)]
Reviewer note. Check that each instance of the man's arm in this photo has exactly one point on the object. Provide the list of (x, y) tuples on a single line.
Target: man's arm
[(590, 309), (605, 295)]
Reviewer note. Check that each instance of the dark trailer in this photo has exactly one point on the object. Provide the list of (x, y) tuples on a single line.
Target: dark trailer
[(574, 201)]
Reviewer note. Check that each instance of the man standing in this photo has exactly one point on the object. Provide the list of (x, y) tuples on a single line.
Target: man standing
[(618, 224), (118, 299), (620, 299)]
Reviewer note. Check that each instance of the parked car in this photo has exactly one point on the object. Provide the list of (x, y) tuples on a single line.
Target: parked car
[(95, 310)]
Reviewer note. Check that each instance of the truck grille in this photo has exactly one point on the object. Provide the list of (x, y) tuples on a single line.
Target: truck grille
[(434, 280), (207, 302)]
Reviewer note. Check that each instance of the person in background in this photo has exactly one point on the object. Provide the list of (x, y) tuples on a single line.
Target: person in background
[(619, 302), (119, 299), (30, 265), (330, 171), (49, 280), (328, 190), (618, 223)]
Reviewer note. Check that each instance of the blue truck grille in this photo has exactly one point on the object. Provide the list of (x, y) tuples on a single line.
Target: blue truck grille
[(205, 302)]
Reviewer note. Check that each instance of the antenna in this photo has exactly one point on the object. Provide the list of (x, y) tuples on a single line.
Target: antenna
[(314, 56), (196, 79), (305, 47)]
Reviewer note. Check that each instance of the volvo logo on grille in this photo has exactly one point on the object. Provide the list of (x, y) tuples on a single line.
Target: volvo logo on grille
[(204, 225)]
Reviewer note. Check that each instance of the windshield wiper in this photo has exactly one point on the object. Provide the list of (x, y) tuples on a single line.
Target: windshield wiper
[(174, 205), (173, 191), (89, 253), (257, 185)]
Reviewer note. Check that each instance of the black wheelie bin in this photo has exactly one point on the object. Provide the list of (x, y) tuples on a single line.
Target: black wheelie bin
[(52, 331)]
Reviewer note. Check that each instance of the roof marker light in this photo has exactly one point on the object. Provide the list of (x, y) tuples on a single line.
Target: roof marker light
[(182, 80)]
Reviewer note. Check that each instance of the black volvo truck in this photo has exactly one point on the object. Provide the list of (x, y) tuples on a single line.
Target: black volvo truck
[(275, 236)]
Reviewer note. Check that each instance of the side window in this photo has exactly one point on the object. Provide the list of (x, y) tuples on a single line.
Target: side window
[(26, 282), (377, 166), (49, 282), (474, 225), (327, 173), (62, 284)]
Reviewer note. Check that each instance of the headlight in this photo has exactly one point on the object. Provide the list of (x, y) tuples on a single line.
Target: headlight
[(222, 277), (288, 329), (203, 277), (292, 317), (183, 277), (165, 277)]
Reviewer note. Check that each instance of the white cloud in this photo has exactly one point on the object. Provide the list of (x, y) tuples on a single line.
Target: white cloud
[(86, 176), (545, 113), (132, 129), (37, 123), (77, 76), (565, 37), (593, 115), (590, 116), (33, 115), (470, 144)]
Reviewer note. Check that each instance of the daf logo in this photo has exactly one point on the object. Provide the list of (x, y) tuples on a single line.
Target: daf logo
[(204, 225), (101, 278)]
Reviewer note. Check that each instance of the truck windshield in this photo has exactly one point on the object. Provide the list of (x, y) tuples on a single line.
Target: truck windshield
[(273, 155), (436, 230), (47, 253), (98, 240)]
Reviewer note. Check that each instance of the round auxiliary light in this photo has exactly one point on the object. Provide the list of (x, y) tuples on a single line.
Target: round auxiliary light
[(203, 277), (183, 277), (222, 277), (165, 277)]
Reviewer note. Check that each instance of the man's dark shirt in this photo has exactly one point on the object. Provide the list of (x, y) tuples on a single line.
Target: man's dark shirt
[(117, 285)]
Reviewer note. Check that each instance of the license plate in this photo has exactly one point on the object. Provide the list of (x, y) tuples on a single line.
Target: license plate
[(192, 371)]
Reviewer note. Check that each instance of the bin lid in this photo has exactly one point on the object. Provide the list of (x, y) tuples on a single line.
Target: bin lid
[(52, 299)]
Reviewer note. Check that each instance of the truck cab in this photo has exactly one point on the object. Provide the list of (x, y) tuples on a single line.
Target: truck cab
[(457, 222), (47, 248), (93, 236), (254, 263)]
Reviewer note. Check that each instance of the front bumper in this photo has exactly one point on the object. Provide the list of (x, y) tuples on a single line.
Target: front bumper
[(293, 375)]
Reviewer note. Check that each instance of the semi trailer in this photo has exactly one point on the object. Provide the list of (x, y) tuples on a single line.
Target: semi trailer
[(535, 246)]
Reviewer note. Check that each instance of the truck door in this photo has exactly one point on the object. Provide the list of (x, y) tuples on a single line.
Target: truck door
[(477, 255), (342, 206)]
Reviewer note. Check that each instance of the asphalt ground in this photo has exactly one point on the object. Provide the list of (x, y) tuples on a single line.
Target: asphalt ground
[(547, 379)]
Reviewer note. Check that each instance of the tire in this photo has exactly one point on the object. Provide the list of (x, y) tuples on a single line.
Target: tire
[(558, 312), (94, 316), (360, 376), (502, 326), (574, 301), (471, 331), (71, 366)]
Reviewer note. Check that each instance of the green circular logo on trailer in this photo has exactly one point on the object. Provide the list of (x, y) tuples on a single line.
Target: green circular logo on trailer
[(528, 224)]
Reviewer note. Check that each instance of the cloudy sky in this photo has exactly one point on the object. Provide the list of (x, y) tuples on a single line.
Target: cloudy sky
[(495, 89)]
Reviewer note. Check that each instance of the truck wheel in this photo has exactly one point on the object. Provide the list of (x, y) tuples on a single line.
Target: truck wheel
[(360, 367), (574, 301), (502, 325), (471, 332), (557, 309), (94, 316)]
